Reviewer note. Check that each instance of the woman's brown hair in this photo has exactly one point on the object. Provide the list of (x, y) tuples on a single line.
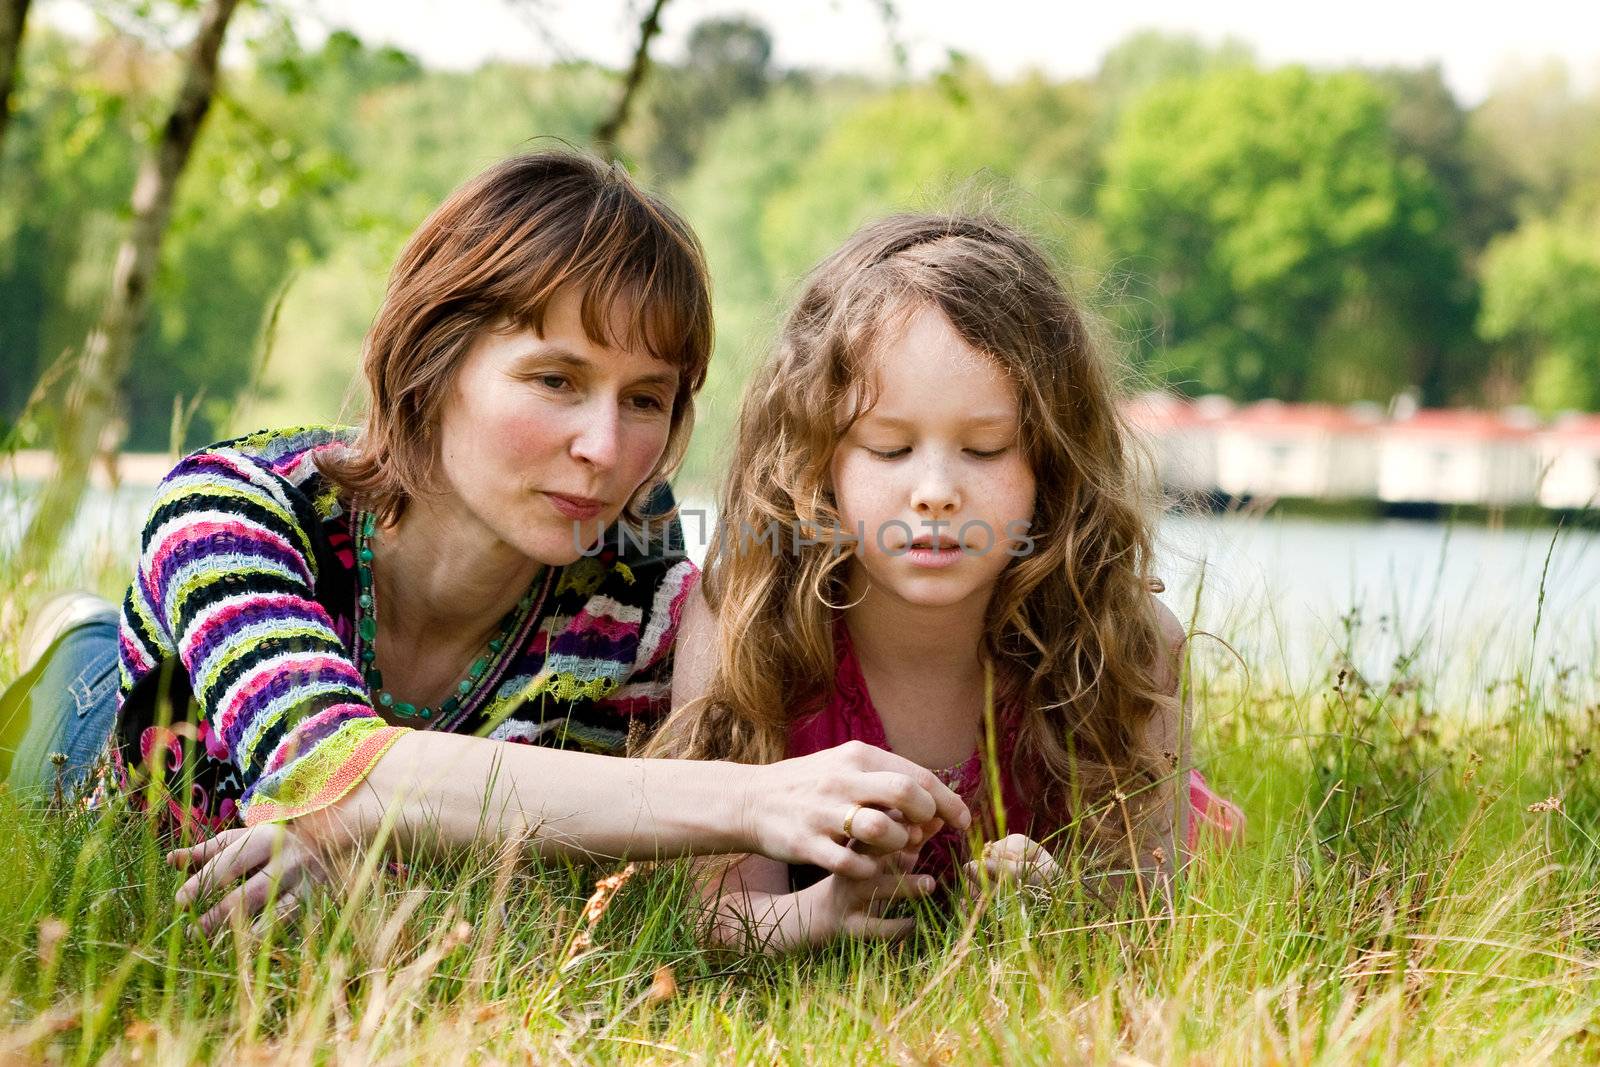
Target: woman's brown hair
[(493, 256), (1071, 627)]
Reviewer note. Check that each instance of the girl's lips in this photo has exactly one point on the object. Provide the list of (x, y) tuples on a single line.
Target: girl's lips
[(934, 558), (576, 507)]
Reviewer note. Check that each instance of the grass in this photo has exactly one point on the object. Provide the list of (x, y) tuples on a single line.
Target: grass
[(1417, 885)]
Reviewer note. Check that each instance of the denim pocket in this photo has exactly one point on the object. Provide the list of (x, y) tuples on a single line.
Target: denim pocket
[(93, 688)]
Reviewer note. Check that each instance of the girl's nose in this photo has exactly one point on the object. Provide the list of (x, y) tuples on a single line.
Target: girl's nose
[(936, 493)]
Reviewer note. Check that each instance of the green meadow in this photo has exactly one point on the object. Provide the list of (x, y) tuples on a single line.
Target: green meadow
[(1416, 885)]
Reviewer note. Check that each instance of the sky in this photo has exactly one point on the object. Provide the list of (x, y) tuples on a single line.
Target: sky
[(1007, 36)]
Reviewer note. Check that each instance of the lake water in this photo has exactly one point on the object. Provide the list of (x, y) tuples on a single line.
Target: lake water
[(1457, 602)]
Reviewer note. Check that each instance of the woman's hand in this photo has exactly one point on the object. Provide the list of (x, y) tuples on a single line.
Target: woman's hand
[(795, 810), (271, 863), (1013, 860)]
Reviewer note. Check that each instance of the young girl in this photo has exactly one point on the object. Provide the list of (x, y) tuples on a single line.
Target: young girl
[(933, 541)]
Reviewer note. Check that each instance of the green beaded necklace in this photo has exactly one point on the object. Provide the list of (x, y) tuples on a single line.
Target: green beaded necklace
[(367, 636)]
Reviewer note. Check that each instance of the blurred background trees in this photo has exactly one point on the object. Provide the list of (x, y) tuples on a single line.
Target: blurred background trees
[(1310, 235)]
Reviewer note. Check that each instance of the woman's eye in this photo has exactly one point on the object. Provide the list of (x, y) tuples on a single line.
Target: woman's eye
[(993, 453), (889, 453), (553, 381), (646, 402)]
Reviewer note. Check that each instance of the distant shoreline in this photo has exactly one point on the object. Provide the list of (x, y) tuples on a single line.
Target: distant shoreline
[(144, 470)]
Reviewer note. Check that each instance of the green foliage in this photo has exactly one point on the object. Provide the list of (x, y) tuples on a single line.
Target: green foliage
[(753, 156), (1149, 57), (1541, 291), (1265, 208), (728, 62), (253, 205), (1478, 185), (1544, 133), (907, 149), (1255, 232), (68, 168)]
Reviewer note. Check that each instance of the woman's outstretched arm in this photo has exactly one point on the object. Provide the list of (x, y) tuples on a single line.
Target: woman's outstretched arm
[(432, 793), (454, 789), (433, 790)]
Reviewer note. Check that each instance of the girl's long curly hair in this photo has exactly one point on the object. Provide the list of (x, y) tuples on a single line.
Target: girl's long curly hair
[(1071, 628)]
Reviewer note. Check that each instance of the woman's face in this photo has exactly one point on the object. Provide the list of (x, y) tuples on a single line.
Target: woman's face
[(934, 474), (545, 438)]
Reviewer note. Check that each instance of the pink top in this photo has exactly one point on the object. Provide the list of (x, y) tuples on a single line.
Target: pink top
[(849, 715)]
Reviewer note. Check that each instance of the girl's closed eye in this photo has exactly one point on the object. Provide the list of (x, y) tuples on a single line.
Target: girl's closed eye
[(975, 453)]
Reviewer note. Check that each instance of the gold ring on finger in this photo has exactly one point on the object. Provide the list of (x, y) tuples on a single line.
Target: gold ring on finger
[(849, 822)]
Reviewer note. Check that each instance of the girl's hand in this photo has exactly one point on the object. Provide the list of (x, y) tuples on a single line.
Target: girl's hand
[(839, 906), (266, 859), (1013, 860), (747, 910), (795, 810)]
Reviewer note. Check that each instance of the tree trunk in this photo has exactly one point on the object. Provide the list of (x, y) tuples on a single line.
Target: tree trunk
[(13, 16), (93, 398), (606, 134)]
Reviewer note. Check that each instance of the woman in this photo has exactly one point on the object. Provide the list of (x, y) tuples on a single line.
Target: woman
[(335, 635)]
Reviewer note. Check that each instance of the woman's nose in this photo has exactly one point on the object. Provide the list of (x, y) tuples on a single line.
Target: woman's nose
[(596, 440)]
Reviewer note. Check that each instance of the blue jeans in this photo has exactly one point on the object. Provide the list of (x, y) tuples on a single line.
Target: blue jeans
[(69, 702)]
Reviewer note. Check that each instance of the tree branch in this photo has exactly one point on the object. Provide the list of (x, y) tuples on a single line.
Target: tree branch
[(606, 134), (13, 17)]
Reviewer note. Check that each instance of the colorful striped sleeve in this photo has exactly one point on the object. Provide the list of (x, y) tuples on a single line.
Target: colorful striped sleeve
[(226, 584), (645, 694)]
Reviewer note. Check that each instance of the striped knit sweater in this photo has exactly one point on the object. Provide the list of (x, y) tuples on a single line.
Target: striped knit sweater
[(240, 694)]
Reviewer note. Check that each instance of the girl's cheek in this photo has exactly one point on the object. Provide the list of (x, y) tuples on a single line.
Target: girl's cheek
[(861, 499), (1017, 488)]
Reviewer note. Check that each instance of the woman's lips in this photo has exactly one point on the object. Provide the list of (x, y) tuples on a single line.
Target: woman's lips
[(577, 508)]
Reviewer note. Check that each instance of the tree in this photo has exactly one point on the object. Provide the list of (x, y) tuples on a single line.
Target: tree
[(72, 158), (1478, 186), (747, 161), (1149, 57), (13, 17), (92, 401), (728, 63), (1271, 215), (1541, 297), (1545, 133), (962, 142)]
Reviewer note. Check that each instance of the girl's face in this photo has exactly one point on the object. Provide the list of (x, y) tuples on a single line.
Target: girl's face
[(545, 439), (935, 472)]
